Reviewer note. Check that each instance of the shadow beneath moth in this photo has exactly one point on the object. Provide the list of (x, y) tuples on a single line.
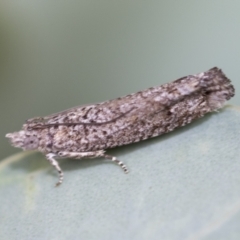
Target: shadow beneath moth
[(87, 131)]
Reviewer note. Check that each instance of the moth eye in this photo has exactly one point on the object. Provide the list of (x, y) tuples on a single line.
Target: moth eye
[(31, 142), (60, 154)]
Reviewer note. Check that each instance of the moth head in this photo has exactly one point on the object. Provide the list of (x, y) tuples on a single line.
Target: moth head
[(27, 140)]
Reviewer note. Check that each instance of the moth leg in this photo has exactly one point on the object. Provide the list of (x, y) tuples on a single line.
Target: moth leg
[(78, 155), (100, 153), (120, 163), (51, 158)]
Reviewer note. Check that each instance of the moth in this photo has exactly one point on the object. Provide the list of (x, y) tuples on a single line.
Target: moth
[(87, 131)]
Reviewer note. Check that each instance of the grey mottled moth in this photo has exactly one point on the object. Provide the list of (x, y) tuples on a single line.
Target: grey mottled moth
[(87, 131)]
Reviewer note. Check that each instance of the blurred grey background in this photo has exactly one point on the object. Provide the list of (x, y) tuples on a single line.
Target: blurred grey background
[(59, 54)]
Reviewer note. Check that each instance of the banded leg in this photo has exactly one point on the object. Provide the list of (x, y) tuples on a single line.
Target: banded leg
[(120, 163), (78, 155), (100, 153), (51, 158)]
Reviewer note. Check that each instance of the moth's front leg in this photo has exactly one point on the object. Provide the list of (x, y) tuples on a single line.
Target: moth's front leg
[(51, 157)]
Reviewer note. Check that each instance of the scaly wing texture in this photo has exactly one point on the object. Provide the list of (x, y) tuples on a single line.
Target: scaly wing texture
[(137, 116)]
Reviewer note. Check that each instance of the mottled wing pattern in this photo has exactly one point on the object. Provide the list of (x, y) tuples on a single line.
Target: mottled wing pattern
[(141, 115)]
